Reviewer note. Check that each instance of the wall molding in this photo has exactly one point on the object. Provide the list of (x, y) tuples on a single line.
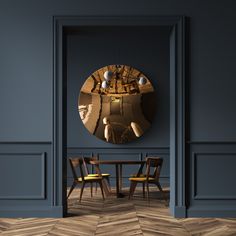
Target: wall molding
[(212, 211), (32, 211), (180, 212), (119, 148), (144, 152), (219, 201), (26, 142), (195, 196), (42, 195), (178, 69), (26, 202), (212, 142)]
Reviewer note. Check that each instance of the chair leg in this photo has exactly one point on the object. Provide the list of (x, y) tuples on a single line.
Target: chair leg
[(161, 190), (91, 189), (108, 181), (96, 187), (143, 190), (71, 189), (135, 184), (148, 192), (100, 183), (132, 188), (81, 191)]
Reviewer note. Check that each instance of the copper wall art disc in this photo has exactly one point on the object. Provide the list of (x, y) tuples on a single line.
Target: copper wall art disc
[(116, 103)]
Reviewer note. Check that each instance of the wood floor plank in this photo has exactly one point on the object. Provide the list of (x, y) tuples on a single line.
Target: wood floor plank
[(117, 217), (202, 226), (6, 223), (30, 227)]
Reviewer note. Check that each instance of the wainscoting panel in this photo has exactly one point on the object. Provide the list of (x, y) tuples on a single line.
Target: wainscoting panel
[(26, 174), (207, 169), (32, 170), (121, 154), (212, 188)]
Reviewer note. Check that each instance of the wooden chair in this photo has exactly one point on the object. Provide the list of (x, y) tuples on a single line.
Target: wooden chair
[(86, 161), (148, 178), (83, 179)]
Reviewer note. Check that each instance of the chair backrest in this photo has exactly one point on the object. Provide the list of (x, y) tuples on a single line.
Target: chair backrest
[(86, 161), (75, 163), (156, 163)]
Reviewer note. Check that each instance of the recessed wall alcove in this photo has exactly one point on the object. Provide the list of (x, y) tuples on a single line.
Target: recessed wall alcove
[(143, 47), (155, 45)]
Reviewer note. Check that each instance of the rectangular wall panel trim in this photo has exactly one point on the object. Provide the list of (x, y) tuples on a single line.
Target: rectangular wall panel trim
[(212, 142), (26, 142), (42, 195), (195, 194), (119, 148), (178, 68)]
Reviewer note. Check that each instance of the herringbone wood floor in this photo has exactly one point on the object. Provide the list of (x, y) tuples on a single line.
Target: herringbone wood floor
[(93, 216)]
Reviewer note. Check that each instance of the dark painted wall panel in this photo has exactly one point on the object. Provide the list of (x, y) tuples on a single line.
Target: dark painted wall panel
[(19, 180), (26, 174), (25, 73), (212, 81), (211, 179), (207, 184)]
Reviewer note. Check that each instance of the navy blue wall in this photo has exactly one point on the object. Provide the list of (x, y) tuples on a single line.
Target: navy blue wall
[(26, 73)]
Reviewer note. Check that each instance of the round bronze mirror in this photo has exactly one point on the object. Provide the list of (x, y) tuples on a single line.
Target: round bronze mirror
[(116, 103)]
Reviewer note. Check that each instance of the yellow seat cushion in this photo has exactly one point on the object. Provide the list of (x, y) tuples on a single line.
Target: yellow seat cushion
[(90, 178), (95, 175), (141, 179)]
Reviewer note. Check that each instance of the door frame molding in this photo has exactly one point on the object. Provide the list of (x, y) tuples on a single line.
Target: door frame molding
[(177, 99)]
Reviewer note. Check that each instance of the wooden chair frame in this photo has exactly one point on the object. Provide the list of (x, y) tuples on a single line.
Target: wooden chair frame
[(79, 162), (148, 178), (86, 161)]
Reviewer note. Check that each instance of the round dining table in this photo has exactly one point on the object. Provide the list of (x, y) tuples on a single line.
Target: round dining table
[(118, 164)]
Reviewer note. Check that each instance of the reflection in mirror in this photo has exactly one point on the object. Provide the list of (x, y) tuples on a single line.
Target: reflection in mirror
[(116, 103)]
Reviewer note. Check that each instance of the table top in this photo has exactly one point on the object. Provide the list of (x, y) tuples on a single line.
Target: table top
[(113, 162)]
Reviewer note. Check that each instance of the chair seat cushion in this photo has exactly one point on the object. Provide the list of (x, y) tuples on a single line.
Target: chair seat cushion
[(141, 179), (90, 178), (96, 175)]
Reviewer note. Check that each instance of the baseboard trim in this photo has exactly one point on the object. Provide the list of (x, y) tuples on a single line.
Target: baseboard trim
[(10, 211), (178, 212), (214, 211)]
